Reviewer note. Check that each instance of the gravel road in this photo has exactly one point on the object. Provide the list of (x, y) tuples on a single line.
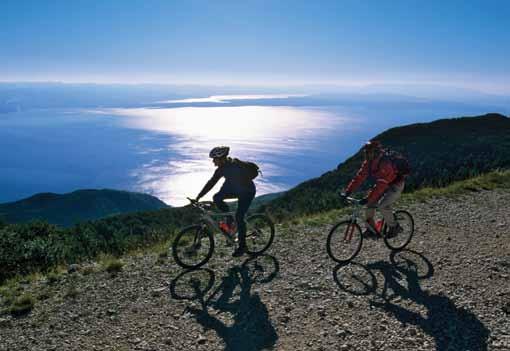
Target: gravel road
[(450, 290)]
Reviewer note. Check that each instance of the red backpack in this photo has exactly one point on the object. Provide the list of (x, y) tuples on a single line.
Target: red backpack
[(399, 161)]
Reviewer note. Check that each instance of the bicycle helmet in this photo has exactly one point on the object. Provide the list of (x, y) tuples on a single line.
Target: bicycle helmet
[(219, 151)]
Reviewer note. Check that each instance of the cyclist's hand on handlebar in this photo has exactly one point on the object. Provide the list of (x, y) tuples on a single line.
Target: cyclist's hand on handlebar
[(344, 195)]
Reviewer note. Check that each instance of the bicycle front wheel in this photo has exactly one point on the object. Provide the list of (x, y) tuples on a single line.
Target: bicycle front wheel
[(344, 241), (259, 234), (193, 246), (399, 240)]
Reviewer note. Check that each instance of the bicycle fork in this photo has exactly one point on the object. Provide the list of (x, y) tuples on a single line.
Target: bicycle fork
[(349, 231), (197, 241)]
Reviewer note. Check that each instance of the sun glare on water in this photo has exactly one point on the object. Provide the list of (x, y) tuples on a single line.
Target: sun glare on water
[(255, 133)]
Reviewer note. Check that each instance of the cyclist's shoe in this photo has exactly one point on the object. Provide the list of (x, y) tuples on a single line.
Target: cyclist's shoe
[(394, 231), (238, 252), (369, 234)]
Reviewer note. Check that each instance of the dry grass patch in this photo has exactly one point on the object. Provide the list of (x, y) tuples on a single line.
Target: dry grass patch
[(111, 264), (22, 305)]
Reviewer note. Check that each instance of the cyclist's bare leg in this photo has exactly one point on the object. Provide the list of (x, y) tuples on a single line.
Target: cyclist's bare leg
[(369, 216), (386, 203)]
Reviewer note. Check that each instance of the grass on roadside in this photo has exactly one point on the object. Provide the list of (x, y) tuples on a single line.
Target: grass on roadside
[(111, 264), (489, 181), (22, 305)]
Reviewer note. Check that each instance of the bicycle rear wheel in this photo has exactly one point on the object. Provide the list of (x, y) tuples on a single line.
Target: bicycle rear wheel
[(344, 241), (259, 233), (193, 246), (403, 238)]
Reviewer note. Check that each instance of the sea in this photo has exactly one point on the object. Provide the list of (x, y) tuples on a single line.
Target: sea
[(162, 148)]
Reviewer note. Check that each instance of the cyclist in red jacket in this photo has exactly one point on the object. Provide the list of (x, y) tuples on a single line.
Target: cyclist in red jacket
[(388, 187)]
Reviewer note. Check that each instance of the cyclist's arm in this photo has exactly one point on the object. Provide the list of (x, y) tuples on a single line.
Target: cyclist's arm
[(385, 176), (211, 183), (359, 178)]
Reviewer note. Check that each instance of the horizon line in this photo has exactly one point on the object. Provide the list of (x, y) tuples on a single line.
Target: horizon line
[(301, 84)]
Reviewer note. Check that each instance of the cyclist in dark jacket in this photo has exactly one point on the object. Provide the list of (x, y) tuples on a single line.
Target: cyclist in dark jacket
[(236, 185)]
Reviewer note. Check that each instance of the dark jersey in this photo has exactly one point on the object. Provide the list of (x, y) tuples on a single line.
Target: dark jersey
[(235, 180)]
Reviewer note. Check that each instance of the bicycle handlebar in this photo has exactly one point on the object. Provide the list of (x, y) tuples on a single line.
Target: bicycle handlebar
[(200, 205), (351, 200)]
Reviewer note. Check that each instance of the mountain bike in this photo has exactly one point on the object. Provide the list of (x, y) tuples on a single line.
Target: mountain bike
[(194, 245), (345, 238)]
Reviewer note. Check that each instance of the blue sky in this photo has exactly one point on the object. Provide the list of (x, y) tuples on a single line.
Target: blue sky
[(464, 43)]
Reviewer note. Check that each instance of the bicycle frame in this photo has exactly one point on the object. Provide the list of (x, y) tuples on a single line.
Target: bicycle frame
[(356, 213), (207, 217)]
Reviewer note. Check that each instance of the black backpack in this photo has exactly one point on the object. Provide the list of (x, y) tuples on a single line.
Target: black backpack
[(399, 161), (250, 169)]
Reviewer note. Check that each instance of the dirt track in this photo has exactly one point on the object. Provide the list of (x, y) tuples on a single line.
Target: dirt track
[(449, 291)]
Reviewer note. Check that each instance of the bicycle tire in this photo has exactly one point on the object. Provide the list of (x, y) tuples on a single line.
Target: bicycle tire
[(259, 227), (405, 219), (192, 231), (348, 229)]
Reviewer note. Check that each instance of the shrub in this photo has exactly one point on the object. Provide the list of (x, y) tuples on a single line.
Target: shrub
[(22, 305), (53, 277), (88, 269), (113, 265)]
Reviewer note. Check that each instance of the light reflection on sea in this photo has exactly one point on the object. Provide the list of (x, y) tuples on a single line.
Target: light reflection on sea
[(268, 135)]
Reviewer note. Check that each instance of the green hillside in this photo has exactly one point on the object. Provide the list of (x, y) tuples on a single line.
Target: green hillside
[(440, 152), (78, 206)]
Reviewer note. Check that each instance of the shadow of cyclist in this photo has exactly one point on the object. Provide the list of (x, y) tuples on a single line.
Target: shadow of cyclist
[(452, 327), (251, 328)]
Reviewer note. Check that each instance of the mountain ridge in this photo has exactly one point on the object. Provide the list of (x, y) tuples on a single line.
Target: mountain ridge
[(76, 206)]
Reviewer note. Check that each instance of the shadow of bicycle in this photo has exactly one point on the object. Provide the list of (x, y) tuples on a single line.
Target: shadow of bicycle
[(232, 309), (452, 327)]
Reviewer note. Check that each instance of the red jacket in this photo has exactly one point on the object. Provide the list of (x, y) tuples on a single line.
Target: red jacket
[(384, 173)]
